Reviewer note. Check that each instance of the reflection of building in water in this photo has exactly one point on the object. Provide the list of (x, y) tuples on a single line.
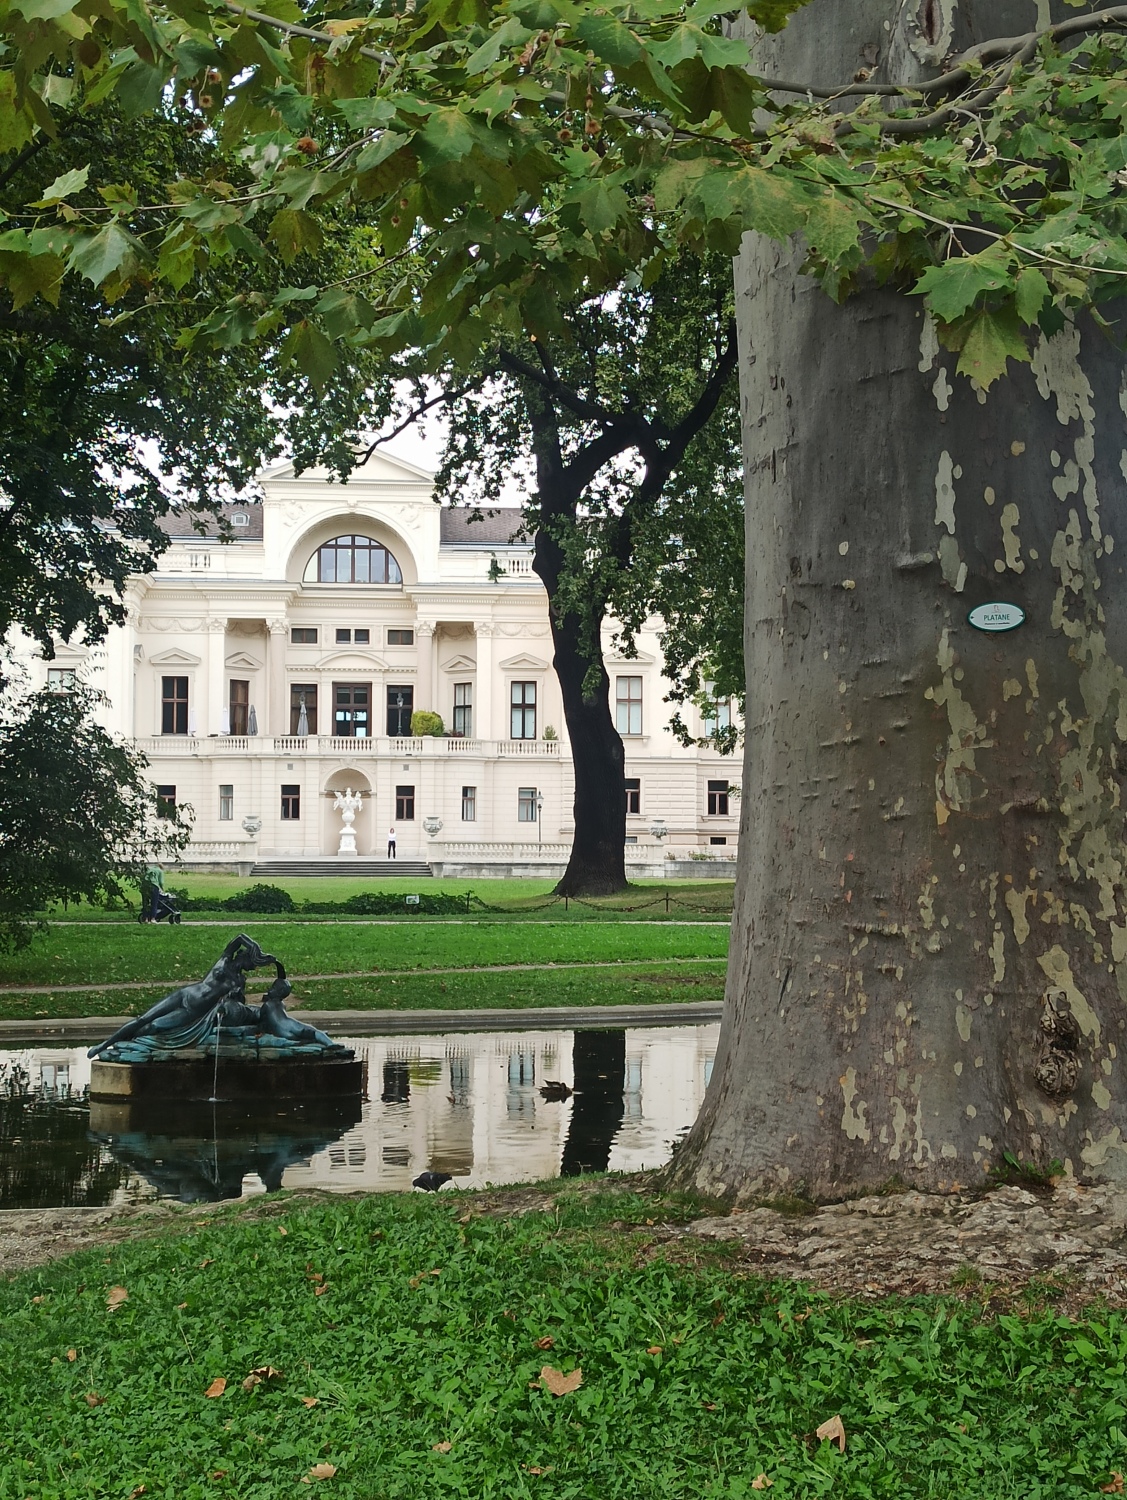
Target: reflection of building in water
[(470, 1104)]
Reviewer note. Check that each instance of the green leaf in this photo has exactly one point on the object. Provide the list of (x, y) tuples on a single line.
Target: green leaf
[(30, 276), (610, 41), (953, 287), (308, 348), (99, 256), (62, 187), (511, 34), (992, 338), (770, 202), (15, 127), (366, 114), (833, 227), (293, 230), (448, 135), (43, 10), (1032, 290)]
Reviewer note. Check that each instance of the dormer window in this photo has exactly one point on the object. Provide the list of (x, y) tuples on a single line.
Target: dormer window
[(353, 559), (240, 518)]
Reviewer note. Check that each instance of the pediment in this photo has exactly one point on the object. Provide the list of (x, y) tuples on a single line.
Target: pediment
[(460, 664), (174, 658), (243, 659), (69, 655), (617, 659), (353, 661), (523, 663)]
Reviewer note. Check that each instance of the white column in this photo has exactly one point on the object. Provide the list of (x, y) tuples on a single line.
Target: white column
[(215, 667), (273, 715), (483, 686), (424, 640)]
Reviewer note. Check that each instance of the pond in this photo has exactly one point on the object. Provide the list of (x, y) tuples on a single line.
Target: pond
[(480, 1106)]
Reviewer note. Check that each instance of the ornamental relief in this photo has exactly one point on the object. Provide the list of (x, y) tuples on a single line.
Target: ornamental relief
[(170, 624)]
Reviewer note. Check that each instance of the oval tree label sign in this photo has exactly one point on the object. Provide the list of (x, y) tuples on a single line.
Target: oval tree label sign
[(996, 616)]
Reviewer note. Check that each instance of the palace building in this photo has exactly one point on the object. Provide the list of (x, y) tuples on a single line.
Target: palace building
[(264, 673)]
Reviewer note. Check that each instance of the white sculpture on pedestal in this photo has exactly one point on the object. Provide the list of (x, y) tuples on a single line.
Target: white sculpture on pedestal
[(348, 803)]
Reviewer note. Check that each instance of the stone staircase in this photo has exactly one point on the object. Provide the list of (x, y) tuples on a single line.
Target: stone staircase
[(356, 869)]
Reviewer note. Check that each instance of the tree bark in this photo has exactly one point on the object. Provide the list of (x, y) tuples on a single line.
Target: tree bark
[(928, 946)]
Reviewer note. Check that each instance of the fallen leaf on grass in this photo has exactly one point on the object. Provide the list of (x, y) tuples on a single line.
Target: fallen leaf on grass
[(93, 1399), (41, 1298), (319, 1471), (710, 1406), (536, 1469), (219, 1473), (115, 1297), (217, 1386), (204, 1263), (319, 1291), (560, 1384), (833, 1431), (180, 1306), (655, 1349), (761, 1482), (72, 1355), (441, 1447), (1115, 1485), (259, 1374), (309, 1402), (142, 1489), (547, 1342), (282, 1229)]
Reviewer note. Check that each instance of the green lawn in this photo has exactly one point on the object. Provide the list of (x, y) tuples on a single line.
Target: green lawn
[(626, 984), (685, 900), (97, 954), (401, 1342)]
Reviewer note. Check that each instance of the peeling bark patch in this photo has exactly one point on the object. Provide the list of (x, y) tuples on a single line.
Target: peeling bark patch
[(1058, 970), (953, 778), (1059, 373), (945, 477), (853, 1120), (1010, 542)]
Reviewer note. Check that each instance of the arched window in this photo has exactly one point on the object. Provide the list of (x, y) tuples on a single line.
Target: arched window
[(353, 559)]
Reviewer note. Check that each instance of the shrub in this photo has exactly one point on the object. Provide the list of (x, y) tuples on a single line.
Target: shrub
[(261, 898), (425, 721)]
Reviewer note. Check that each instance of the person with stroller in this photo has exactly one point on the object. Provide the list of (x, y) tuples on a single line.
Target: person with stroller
[(155, 903)]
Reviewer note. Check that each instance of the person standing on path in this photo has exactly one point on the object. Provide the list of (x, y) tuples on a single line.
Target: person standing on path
[(151, 888), (391, 843)]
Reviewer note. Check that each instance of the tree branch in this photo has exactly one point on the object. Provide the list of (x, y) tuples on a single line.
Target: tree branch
[(421, 411)]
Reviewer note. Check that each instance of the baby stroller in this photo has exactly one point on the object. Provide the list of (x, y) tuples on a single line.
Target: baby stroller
[(156, 905)]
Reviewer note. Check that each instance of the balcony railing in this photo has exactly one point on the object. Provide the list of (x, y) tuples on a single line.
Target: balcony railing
[(339, 745)]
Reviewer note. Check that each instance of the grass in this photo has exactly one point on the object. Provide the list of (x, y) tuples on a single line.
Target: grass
[(103, 955), (630, 984), (516, 898), (406, 1337)]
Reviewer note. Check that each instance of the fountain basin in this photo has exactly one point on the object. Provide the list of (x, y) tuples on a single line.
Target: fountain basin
[(193, 1076)]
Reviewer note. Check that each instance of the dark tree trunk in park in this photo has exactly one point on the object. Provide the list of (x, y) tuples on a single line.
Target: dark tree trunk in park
[(929, 948)]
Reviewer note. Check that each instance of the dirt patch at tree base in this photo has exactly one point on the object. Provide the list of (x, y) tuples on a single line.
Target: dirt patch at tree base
[(1067, 1244)]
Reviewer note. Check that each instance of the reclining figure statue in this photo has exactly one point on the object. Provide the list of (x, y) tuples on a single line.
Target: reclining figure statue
[(196, 1014)]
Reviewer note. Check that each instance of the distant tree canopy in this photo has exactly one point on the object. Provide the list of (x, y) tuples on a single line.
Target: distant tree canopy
[(78, 820)]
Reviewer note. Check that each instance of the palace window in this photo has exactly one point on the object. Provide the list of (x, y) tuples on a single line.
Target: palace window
[(469, 804), (166, 801), (404, 804), (308, 691), (291, 802), (718, 799), (304, 635), (174, 705), (717, 716), (400, 706), (628, 705), (463, 709), (526, 804), (352, 710), (718, 839), (361, 637), (401, 637), (354, 559), (60, 679), (226, 802), (239, 706), (633, 794), (522, 704)]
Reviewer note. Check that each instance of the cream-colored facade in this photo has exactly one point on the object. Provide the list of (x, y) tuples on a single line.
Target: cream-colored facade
[(227, 642)]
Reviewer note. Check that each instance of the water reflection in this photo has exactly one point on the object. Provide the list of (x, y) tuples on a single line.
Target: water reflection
[(470, 1105)]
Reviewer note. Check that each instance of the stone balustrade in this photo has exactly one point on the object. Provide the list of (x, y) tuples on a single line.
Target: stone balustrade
[(338, 745)]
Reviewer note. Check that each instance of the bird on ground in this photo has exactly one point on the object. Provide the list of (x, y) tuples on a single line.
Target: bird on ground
[(430, 1182)]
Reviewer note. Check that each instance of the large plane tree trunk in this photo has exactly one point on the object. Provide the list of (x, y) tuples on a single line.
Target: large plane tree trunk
[(930, 936)]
